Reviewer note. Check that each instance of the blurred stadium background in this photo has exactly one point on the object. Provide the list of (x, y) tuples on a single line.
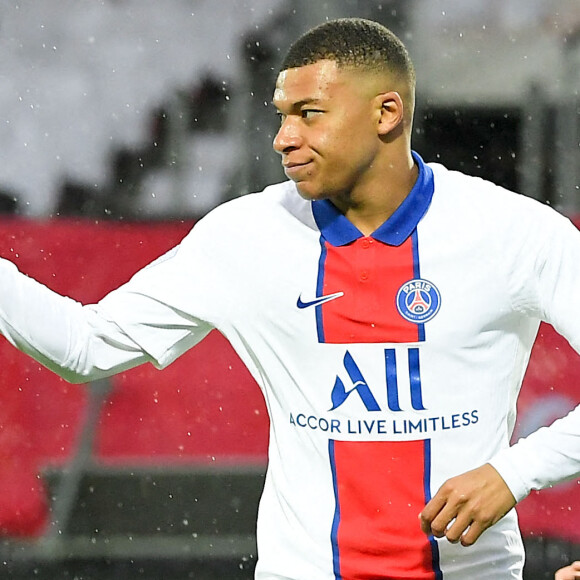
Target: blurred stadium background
[(124, 121)]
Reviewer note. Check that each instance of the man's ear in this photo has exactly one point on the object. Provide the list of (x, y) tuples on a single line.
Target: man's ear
[(391, 111)]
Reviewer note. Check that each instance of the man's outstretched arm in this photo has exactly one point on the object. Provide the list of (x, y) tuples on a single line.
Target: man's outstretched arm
[(75, 341)]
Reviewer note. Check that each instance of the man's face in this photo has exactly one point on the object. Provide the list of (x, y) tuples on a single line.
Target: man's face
[(327, 137)]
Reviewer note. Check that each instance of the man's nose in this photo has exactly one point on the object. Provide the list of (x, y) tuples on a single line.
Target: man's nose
[(287, 138)]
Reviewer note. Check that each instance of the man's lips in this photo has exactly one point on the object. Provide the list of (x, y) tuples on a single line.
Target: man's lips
[(294, 169)]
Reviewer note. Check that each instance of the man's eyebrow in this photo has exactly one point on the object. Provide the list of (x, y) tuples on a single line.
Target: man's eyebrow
[(301, 103)]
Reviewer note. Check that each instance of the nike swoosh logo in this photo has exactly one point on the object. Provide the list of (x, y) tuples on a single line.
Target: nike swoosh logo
[(318, 301)]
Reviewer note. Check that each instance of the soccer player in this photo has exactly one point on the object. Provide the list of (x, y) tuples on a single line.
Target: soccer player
[(386, 307)]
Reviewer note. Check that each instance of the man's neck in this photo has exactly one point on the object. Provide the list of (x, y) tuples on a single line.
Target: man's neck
[(369, 211)]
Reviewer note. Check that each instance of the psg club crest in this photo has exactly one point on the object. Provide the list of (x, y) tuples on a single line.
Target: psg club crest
[(418, 301)]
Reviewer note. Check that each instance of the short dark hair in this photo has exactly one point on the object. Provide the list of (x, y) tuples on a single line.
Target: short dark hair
[(352, 42)]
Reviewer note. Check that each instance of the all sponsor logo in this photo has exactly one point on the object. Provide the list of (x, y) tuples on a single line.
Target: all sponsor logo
[(340, 393), (401, 413)]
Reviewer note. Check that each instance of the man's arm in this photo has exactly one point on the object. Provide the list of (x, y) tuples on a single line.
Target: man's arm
[(544, 281), (479, 498), (77, 342), (476, 500)]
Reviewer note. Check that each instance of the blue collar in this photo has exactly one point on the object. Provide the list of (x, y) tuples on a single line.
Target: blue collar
[(339, 231)]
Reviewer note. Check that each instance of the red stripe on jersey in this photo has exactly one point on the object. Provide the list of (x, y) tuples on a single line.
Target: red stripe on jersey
[(370, 274), (380, 490)]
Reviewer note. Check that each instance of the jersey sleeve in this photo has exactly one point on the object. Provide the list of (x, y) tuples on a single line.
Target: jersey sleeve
[(165, 309), (155, 308), (176, 301), (545, 282), (75, 341)]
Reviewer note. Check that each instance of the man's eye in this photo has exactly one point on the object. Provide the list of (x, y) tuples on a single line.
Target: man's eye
[(310, 113)]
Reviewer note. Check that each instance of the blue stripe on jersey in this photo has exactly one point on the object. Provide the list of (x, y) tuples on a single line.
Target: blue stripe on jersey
[(320, 289), (417, 276), (427, 486), (392, 384), (416, 267), (336, 519), (415, 378)]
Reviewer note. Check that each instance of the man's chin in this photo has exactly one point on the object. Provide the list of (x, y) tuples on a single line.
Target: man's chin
[(308, 192)]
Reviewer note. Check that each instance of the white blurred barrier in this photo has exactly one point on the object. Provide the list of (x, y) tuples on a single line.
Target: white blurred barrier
[(79, 78)]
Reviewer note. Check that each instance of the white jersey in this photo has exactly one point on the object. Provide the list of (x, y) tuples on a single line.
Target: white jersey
[(388, 363)]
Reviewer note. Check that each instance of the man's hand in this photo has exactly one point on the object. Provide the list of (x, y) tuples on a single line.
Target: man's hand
[(466, 505), (571, 572)]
